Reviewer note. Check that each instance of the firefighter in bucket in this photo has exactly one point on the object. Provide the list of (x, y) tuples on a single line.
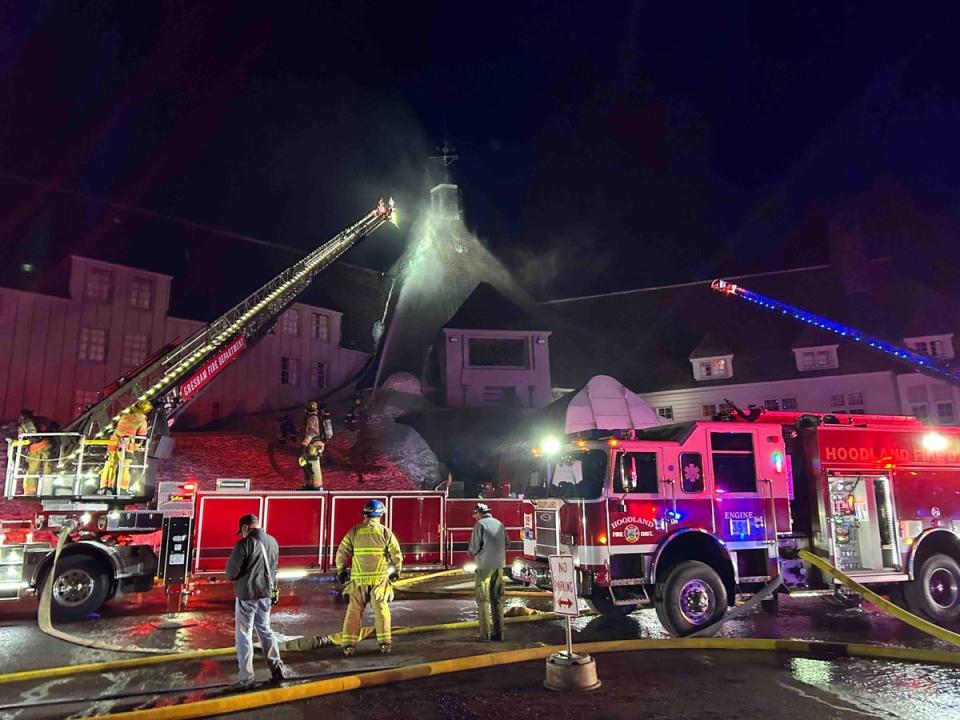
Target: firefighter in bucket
[(122, 448)]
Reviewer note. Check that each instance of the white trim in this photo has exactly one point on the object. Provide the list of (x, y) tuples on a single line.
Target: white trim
[(819, 378)]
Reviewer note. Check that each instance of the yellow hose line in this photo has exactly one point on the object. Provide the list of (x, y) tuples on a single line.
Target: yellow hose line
[(412, 580), (109, 665), (305, 691), (470, 593), (882, 603)]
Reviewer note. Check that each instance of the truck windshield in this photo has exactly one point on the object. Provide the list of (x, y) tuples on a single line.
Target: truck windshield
[(575, 475)]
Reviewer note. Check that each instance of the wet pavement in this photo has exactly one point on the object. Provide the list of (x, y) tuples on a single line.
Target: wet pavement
[(655, 684)]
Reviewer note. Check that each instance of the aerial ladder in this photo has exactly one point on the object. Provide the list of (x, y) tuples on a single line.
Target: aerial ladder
[(930, 366), (158, 391)]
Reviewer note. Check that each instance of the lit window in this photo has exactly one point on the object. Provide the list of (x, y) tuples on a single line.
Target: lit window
[(665, 412), (716, 368), (321, 327), (134, 350), (289, 371), (708, 411), (771, 404), (945, 413), (789, 404), (290, 322), (855, 398), (92, 345), (836, 401), (141, 293), (318, 376), (98, 284), (83, 399)]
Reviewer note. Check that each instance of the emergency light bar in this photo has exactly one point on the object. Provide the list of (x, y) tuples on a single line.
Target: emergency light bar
[(919, 362), (233, 484)]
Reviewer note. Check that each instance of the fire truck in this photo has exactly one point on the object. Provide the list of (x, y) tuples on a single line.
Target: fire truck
[(100, 483), (684, 517)]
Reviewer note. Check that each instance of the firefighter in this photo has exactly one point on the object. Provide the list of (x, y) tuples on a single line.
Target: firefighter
[(37, 452), (121, 447), (488, 548), (311, 449), (375, 560)]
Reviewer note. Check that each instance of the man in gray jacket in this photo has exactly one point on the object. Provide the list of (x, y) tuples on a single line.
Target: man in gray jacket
[(253, 568), (488, 547)]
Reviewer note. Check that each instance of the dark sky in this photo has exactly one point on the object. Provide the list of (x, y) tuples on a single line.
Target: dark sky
[(603, 145)]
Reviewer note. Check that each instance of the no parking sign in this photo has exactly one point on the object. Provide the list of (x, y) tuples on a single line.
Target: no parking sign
[(563, 578)]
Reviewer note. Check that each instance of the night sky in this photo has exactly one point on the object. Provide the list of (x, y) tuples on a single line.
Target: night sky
[(603, 145)]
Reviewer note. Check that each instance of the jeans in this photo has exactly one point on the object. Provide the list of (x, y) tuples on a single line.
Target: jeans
[(252, 614)]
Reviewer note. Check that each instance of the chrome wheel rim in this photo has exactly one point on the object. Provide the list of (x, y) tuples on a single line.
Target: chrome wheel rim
[(696, 601), (73, 588), (942, 588)]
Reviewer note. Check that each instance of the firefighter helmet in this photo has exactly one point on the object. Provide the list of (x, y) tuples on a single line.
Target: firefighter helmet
[(482, 508), (373, 508), (144, 406)]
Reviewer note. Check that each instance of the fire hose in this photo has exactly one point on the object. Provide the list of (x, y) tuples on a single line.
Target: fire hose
[(321, 687)]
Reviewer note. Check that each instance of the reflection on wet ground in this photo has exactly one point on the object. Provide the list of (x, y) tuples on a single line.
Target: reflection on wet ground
[(857, 687)]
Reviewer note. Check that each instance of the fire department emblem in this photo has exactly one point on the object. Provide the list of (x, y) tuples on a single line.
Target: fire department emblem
[(631, 533)]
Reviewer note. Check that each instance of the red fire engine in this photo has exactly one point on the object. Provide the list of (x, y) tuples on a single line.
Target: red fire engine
[(96, 479), (684, 517)]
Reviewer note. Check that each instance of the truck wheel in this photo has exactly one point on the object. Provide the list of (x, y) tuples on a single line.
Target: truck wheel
[(935, 590), (691, 598), (80, 587), (600, 602)]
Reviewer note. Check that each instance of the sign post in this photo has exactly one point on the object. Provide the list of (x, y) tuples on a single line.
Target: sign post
[(564, 582), (568, 671)]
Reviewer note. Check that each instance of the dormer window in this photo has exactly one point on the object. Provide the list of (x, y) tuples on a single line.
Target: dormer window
[(716, 368), (823, 357), (936, 346)]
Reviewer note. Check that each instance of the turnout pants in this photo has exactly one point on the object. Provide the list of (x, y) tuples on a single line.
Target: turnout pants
[(378, 596), (312, 476), (488, 585), (252, 614), (36, 466)]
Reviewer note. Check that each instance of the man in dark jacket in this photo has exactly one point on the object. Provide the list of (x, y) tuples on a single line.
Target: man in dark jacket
[(253, 568)]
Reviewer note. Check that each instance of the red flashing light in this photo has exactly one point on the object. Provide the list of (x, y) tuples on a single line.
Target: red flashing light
[(189, 487), (613, 442)]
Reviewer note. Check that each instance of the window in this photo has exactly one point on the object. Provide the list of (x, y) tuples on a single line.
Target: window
[(665, 412), (691, 472), (636, 473), (290, 322), (789, 404), (771, 404), (318, 376), (945, 413), (708, 411), (98, 284), (321, 327), (581, 475), (938, 346), (141, 293), (289, 371), (498, 352), (920, 412), (93, 345), (734, 469), (134, 350), (83, 399), (855, 398), (836, 401), (716, 368), (504, 395), (822, 358)]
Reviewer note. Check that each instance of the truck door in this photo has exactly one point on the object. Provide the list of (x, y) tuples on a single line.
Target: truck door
[(742, 503)]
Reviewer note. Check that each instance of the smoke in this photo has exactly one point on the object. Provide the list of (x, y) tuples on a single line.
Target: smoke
[(569, 263)]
